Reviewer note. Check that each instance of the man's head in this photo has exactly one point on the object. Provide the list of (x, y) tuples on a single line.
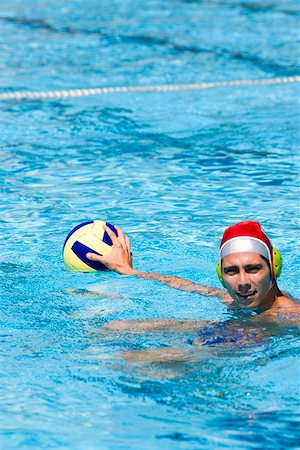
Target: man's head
[(247, 267)]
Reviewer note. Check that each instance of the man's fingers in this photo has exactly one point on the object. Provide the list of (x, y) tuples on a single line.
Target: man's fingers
[(125, 242), (128, 244), (121, 236), (111, 234), (94, 257)]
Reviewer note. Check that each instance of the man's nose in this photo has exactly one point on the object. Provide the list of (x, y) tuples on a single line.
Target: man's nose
[(243, 288), (244, 284)]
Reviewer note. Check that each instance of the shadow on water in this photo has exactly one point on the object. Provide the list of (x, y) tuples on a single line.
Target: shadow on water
[(113, 37), (253, 7)]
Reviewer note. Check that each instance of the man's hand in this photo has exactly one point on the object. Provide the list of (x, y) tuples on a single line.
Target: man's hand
[(119, 258)]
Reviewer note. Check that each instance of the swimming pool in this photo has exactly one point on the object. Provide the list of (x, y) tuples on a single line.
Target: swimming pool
[(173, 169)]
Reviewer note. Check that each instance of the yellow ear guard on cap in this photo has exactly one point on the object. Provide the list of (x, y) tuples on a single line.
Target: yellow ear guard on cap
[(277, 264)]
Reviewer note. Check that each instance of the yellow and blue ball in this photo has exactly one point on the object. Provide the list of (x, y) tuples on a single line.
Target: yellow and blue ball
[(87, 237)]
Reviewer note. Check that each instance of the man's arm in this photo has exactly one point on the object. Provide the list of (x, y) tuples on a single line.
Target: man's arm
[(119, 260), (179, 283), (139, 326)]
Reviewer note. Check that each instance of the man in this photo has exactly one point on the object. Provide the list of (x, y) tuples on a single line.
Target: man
[(248, 269)]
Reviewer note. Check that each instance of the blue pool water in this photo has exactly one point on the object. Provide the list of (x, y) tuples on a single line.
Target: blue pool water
[(173, 169)]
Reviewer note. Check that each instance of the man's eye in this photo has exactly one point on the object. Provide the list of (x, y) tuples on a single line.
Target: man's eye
[(253, 269), (231, 272)]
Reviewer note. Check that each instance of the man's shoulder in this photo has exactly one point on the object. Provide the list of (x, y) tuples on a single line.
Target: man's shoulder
[(227, 299), (287, 303), (288, 311)]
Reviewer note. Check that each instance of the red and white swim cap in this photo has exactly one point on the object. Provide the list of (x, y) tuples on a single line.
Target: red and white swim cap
[(246, 237)]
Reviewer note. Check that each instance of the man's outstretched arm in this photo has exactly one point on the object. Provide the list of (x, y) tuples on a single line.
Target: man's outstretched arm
[(119, 260)]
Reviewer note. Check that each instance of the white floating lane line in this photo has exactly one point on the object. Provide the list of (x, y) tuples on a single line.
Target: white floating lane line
[(20, 95)]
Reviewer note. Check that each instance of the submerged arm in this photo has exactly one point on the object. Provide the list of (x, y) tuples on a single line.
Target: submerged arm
[(153, 326), (119, 260)]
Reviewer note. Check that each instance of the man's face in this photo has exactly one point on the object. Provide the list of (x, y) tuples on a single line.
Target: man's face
[(247, 279)]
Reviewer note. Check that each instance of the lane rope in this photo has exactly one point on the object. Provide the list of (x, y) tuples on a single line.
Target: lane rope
[(21, 95)]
